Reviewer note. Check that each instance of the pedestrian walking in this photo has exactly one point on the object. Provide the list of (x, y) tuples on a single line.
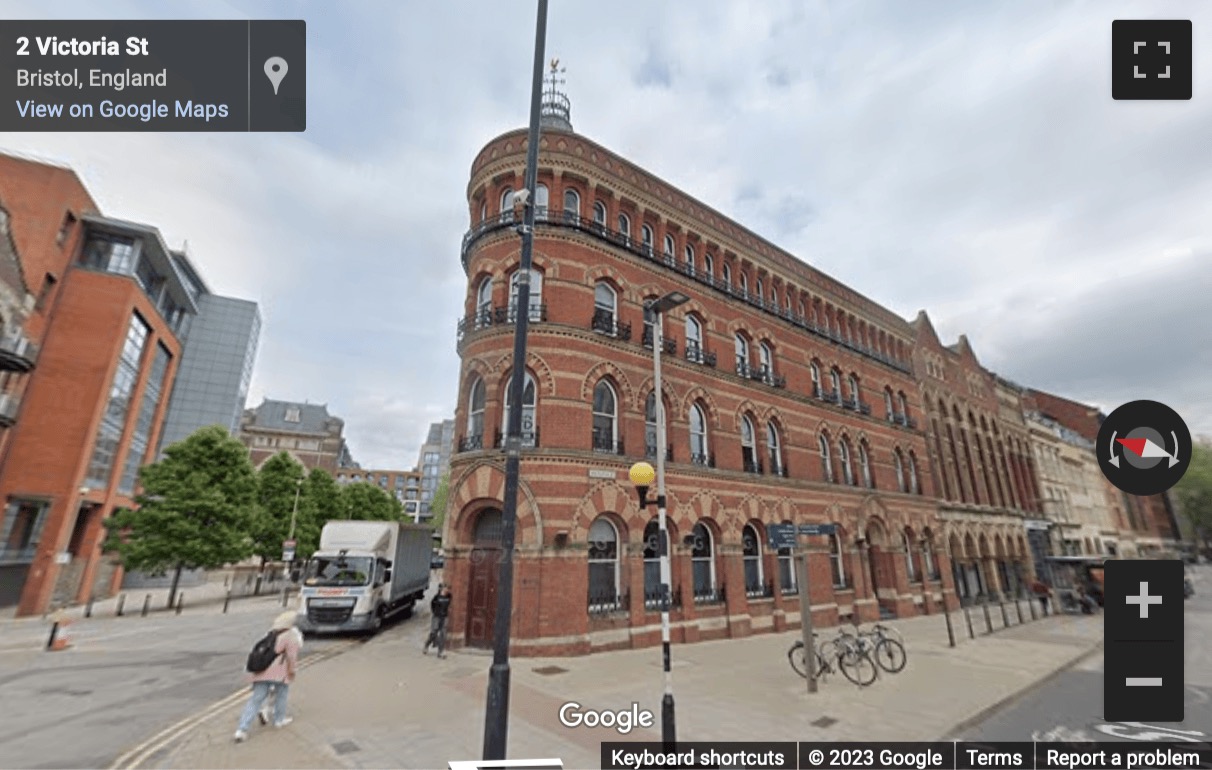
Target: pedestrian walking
[(439, 609), (266, 712), (273, 663), (1042, 592)]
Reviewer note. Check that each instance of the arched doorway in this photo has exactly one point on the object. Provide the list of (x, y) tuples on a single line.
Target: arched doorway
[(485, 572), (881, 570)]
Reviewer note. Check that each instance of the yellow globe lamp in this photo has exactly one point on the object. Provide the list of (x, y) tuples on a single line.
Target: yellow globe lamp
[(642, 475)]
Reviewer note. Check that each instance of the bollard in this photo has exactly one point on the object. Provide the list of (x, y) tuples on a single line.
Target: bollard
[(257, 589), (226, 600), (988, 619), (1031, 607), (1018, 607), (88, 608), (1001, 600), (968, 617), (121, 604), (50, 643), (950, 630), (146, 604), (180, 601)]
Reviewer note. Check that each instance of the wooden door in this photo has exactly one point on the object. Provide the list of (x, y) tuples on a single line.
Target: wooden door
[(482, 596)]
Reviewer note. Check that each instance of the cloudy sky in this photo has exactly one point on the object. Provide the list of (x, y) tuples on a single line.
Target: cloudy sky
[(965, 158)]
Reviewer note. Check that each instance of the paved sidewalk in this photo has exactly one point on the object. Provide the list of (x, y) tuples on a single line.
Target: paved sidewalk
[(385, 705)]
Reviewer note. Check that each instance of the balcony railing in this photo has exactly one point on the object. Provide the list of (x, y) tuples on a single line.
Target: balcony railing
[(606, 322), (707, 460), (568, 220), (668, 344), (486, 318), (778, 468), (696, 354), (715, 595), (650, 452), (653, 599), (17, 353), (471, 443), (751, 465), (760, 590), (530, 439), (904, 420), (604, 442), (608, 603), (857, 405)]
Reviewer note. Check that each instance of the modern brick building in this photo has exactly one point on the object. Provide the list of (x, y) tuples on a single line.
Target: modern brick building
[(108, 319), (404, 486), (307, 432), (790, 398)]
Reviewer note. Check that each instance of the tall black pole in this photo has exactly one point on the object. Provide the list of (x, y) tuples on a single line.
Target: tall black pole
[(496, 715)]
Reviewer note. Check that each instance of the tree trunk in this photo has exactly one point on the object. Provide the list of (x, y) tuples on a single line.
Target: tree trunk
[(172, 592)]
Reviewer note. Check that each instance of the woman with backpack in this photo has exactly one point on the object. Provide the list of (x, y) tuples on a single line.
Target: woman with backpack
[(273, 662)]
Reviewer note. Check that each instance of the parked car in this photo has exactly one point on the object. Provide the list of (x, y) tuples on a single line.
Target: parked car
[(437, 561)]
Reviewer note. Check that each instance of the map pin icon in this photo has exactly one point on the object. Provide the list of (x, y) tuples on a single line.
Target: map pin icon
[(275, 70)]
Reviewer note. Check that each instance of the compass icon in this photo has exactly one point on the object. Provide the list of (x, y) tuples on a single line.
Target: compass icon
[(1144, 447)]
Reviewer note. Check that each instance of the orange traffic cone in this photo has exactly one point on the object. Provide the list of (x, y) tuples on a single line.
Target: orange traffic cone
[(59, 636)]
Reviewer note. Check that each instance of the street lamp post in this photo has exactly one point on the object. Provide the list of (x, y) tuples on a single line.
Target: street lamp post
[(641, 475), (294, 517), (496, 711)]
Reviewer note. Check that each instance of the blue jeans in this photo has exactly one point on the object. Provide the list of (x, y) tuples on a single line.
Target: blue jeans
[(261, 691)]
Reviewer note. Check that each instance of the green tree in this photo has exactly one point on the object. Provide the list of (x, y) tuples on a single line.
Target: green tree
[(1194, 492), (363, 501), (278, 483), (194, 512), (321, 503), (438, 506)]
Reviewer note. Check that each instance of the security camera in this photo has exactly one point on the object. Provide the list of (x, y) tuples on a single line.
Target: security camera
[(520, 197)]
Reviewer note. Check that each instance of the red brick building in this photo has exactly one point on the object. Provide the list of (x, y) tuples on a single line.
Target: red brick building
[(307, 432), (790, 398), (109, 312)]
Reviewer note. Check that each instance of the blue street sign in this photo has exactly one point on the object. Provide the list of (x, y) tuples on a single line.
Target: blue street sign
[(817, 529), (781, 535)]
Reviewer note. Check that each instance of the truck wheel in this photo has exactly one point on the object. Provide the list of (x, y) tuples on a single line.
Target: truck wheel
[(377, 625), (406, 612)]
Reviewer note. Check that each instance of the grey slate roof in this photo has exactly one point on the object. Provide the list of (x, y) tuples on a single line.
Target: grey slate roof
[(313, 418)]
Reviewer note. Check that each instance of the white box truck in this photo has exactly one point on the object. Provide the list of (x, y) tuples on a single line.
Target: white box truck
[(363, 573)]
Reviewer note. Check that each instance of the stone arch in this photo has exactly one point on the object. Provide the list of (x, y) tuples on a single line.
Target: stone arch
[(610, 275), (608, 497), (604, 369), (639, 294), (667, 389), (745, 407), (702, 505), (544, 379), (699, 393), (482, 485)]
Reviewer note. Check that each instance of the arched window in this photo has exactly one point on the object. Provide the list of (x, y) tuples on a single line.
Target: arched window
[(773, 449), (652, 565), (507, 201), (727, 275), (702, 558), (670, 246), (826, 459), (847, 466), (694, 339), (650, 425), (787, 580), (865, 464), (708, 265), (646, 238), (915, 485), (536, 295), (835, 379), (742, 355), (477, 397), (484, 303), (837, 562), (572, 205), (800, 306), (603, 566), (815, 371), (605, 418), (744, 283), (766, 355), (751, 546), (904, 404), (749, 459), (900, 470), (888, 404), (788, 304), (599, 213), (931, 568), (625, 226), (529, 427), (605, 308), (483, 211), (774, 299), (540, 202), (759, 291), (910, 562), (698, 436), (689, 259), (853, 384)]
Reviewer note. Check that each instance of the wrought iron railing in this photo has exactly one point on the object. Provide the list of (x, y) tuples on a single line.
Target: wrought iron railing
[(486, 318), (530, 439), (713, 595), (650, 451), (707, 460), (668, 344), (696, 354), (608, 603), (760, 590), (608, 323), (751, 465), (506, 221), (605, 442), (790, 590), (652, 598), (471, 443)]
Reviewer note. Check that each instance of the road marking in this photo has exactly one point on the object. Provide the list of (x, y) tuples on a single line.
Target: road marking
[(139, 754), (1143, 681)]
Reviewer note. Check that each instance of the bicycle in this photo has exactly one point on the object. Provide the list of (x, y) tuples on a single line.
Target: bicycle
[(846, 650), (887, 647)]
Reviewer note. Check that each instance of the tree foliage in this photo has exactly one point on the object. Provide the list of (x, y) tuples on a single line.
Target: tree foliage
[(320, 503), (278, 482), (195, 510), (441, 500), (1194, 491), (367, 502)]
